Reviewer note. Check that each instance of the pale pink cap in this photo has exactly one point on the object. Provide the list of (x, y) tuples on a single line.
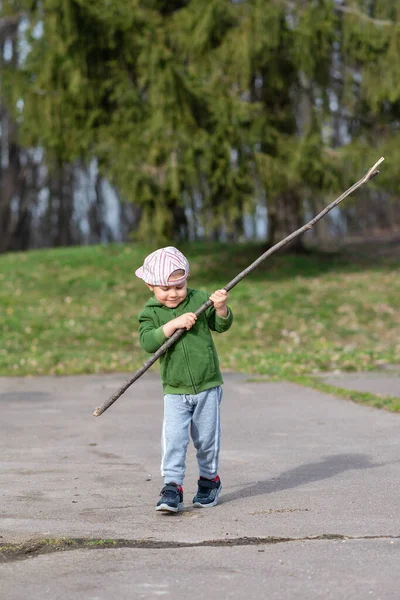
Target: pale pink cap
[(159, 266)]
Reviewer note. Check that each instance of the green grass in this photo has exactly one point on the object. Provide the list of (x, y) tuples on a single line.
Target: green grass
[(73, 310), (389, 403)]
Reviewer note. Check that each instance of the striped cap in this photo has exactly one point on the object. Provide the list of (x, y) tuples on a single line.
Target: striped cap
[(159, 265)]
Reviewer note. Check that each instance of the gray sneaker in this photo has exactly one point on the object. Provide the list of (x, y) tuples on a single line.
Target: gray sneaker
[(207, 493)]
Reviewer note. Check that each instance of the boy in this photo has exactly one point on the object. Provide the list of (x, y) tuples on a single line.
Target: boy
[(189, 372)]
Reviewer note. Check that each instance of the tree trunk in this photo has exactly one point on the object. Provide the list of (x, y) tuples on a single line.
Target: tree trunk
[(285, 215), (63, 188), (176, 227), (96, 214), (10, 180)]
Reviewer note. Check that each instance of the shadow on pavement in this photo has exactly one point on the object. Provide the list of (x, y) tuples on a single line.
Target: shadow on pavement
[(329, 466)]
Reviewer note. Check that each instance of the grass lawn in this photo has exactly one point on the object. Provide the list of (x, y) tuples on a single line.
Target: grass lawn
[(73, 310)]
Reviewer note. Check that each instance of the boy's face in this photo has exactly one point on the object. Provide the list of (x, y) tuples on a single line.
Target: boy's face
[(170, 295)]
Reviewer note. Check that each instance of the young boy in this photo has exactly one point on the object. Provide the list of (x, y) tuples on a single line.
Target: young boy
[(189, 372)]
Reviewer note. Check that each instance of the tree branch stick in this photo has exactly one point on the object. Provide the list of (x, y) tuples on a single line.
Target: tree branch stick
[(179, 332)]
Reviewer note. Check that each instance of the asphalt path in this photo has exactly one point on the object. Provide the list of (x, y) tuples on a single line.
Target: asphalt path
[(309, 508)]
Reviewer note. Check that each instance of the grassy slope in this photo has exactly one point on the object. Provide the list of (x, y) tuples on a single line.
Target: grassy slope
[(74, 310)]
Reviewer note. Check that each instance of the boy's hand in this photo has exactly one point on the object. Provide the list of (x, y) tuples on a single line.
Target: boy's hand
[(220, 298), (185, 321)]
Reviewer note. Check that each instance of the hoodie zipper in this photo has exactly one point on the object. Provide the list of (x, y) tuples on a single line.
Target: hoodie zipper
[(187, 359)]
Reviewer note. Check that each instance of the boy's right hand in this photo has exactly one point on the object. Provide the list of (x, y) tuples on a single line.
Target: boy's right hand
[(185, 321)]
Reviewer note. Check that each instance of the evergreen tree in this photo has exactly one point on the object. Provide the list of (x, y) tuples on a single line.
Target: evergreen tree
[(211, 105)]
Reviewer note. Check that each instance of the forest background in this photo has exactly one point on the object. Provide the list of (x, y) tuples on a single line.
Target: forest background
[(176, 120)]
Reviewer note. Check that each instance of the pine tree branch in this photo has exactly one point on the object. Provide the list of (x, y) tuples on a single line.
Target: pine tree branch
[(180, 332), (352, 10)]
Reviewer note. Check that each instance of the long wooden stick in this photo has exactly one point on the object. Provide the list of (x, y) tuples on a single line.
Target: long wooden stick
[(179, 332)]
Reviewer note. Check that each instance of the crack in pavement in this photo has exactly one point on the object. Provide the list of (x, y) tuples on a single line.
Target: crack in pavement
[(31, 549)]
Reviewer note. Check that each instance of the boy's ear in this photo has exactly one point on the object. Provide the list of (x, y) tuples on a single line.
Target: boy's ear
[(151, 287)]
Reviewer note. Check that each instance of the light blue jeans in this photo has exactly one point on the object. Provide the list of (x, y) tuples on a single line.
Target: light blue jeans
[(200, 412)]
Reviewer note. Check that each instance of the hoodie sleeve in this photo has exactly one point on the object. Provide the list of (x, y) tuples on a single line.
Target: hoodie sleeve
[(216, 323), (151, 337)]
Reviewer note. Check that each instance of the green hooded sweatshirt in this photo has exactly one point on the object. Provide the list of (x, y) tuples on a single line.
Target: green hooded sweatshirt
[(191, 365)]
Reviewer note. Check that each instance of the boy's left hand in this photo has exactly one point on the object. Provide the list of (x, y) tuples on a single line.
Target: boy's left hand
[(219, 299)]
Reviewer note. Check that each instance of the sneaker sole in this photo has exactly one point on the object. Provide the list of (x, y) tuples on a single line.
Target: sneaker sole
[(210, 504), (167, 508)]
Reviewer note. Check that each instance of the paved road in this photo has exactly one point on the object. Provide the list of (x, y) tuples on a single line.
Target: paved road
[(310, 506), (385, 383)]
